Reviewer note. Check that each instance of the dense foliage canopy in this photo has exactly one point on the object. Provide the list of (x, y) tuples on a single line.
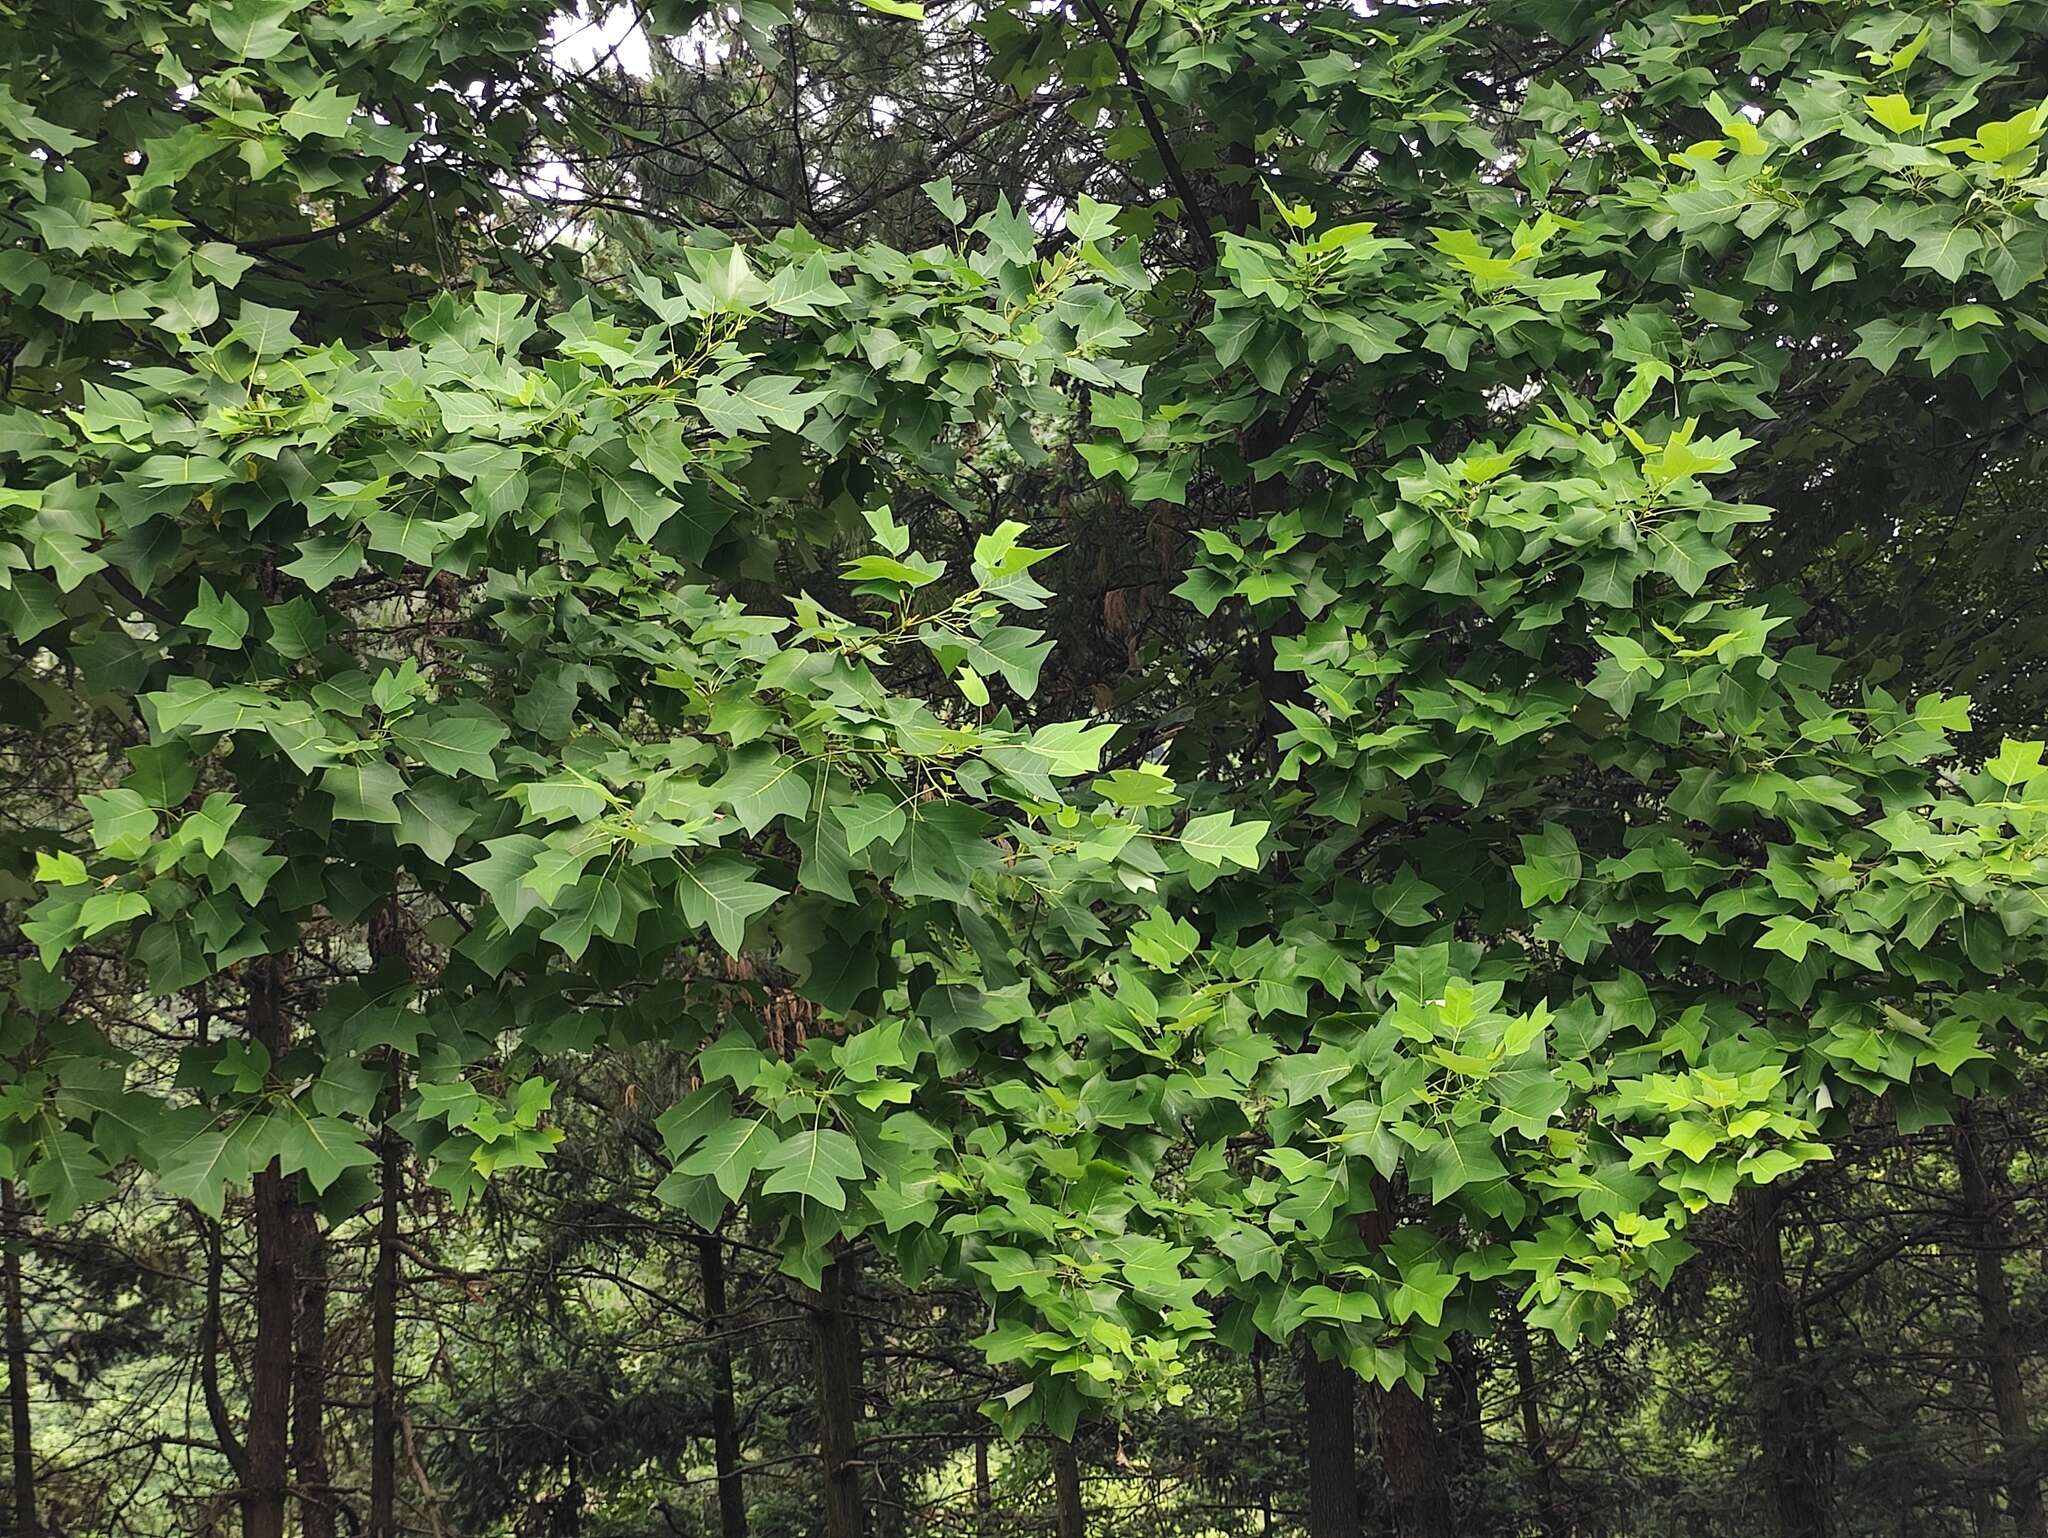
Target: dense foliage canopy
[(1171, 684)]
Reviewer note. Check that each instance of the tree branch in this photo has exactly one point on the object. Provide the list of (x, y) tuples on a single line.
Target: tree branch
[(1192, 214)]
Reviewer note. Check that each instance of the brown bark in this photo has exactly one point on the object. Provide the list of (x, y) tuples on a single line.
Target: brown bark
[(1259, 1348), (1070, 1519), (267, 1440), (1551, 1521), (725, 1420), (982, 1494), (209, 1353), (387, 952), (1791, 1412), (309, 1376), (21, 1426), (1463, 1409), (835, 1351), (1411, 1457), (1985, 1225), (1329, 1393), (384, 1409)]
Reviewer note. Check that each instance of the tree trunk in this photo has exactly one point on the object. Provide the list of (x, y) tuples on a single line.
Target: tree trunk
[(1988, 1244), (835, 1351), (387, 950), (384, 1334), (565, 1518), (309, 1376), (208, 1349), (1465, 1410), (267, 1440), (1069, 1517), (21, 1426), (1412, 1460), (1791, 1419), (1404, 1433), (1264, 1428), (1550, 1515), (1329, 1391), (983, 1501), (725, 1420), (208, 1346)]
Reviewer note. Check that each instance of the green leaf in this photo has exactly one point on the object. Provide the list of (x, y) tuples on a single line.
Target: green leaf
[(912, 572), (326, 113), (1550, 866), (297, 629), (65, 1176), (760, 785), (686, 1123), (1882, 340), (864, 1054), (60, 869), (1217, 839), (225, 622), (730, 1154), (2016, 762), (870, 819), (1895, 112), (721, 894), (1405, 899), (264, 331), (1466, 1157), (1788, 935), (1061, 750), (325, 559), (324, 1147), (364, 792), (1424, 1289), (432, 817), (123, 824), (1163, 941), (162, 774), (103, 910), (813, 1165), (1090, 220), (945, 199), (202, 1165), (455, 741), (639, 502), (253, 29), (762, 401)]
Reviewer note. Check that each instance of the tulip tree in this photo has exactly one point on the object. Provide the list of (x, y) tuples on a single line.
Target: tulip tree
[(1498, 886)]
